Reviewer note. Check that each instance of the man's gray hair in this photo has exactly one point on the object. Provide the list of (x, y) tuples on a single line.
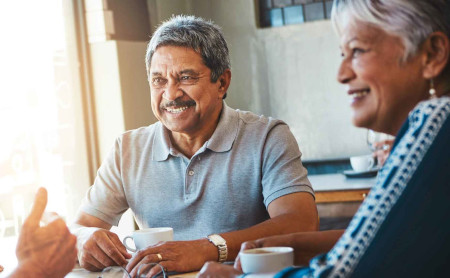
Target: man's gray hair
[(202, 36), (410, 20)]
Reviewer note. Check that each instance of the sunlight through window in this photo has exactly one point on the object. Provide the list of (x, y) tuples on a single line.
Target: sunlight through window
[(42, 139)]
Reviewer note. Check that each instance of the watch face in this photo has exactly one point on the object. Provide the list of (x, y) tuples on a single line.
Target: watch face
[(217, 240)]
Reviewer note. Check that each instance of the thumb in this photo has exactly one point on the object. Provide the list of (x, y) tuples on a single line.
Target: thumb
[(40, 202), (237, 263)]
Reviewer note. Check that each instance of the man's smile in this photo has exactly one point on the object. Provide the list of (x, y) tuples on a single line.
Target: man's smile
[(177, 106)]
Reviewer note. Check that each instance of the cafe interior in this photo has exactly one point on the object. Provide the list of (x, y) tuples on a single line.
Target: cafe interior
[(73, 78)]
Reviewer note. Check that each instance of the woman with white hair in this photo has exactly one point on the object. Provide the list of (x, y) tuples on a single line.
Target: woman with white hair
[(395, 64)]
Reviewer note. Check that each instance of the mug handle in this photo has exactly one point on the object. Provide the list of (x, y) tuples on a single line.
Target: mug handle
[(124, 241)]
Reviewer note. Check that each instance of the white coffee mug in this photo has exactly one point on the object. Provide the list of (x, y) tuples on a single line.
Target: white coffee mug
[(266, 259), (362, 163), (147, 237)]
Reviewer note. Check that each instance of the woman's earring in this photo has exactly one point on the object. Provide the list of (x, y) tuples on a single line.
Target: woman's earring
[(432, 91)]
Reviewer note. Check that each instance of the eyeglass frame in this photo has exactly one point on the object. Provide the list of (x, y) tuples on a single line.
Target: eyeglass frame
[(163, 271)]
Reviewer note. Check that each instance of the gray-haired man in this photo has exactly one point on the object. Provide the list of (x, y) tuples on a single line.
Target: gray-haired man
[(218, 176)]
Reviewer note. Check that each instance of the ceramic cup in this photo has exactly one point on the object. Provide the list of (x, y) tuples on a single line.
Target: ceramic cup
[(146, 237), (362, 163), (266, 260)]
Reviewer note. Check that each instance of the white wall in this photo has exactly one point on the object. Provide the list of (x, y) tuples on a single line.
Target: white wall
[(286, 72)]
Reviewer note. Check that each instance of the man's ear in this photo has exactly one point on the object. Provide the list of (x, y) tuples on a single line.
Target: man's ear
[(436, 49), (224, 82)]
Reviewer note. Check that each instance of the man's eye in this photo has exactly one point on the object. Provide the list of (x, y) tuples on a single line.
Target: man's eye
[(187, 79), (158, 81)]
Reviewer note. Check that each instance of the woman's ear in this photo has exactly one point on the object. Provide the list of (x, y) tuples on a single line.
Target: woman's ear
[(436, 49)]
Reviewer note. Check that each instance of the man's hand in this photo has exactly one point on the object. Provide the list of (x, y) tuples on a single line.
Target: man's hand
[(48, 251), (214, 269), (100, 248), (179, 256)]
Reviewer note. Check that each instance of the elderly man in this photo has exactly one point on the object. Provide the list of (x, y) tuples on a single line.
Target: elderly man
[(218, 176)]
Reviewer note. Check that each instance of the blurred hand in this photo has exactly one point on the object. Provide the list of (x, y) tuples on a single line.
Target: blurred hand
[(279, 240), (382, 151), (179, 256), (100, 248), (48, 251), (215, 269)]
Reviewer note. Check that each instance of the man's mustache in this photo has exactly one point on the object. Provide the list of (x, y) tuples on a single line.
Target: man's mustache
[(176, 103)]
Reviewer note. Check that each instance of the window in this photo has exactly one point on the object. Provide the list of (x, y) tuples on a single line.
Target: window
[(274, 13), (43, 138)]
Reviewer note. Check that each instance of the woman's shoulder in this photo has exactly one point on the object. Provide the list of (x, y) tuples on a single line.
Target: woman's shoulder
[(435, 107), (428, 115), (425, 123)]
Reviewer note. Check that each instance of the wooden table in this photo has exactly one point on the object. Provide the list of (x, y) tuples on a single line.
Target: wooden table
[(332, 188)]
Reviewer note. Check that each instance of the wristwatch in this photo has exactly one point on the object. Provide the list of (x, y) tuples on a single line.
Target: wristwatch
[(221, 245)]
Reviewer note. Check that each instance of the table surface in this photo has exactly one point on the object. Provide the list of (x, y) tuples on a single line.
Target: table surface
[(78, 272), (336, 182)]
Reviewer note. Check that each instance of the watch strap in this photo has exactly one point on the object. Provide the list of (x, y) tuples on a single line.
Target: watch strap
[(221, 245)]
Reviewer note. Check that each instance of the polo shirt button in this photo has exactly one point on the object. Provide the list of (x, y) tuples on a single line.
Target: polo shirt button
[(191, 173)]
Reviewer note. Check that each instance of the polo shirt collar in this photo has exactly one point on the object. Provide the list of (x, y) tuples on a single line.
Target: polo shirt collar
[(223, 137), (221, 141), (161, 143)]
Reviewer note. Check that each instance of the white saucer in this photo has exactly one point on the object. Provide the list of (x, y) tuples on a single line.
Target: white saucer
[(361, 174)]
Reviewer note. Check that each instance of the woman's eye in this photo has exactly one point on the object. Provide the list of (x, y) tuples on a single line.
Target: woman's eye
[(357, 51)]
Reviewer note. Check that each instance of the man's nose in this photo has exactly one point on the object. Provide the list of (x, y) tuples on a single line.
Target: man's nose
[(172, 91)]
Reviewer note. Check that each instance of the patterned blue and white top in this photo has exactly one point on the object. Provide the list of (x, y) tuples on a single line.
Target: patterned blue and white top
[(402, 229)]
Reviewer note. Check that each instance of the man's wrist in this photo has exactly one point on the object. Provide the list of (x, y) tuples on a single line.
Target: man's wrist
[(220, 243)]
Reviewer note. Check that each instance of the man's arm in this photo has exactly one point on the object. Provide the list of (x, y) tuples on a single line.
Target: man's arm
[(290, 213), (98, 247)]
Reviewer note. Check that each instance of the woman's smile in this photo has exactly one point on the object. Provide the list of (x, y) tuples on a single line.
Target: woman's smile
[(358, 95)]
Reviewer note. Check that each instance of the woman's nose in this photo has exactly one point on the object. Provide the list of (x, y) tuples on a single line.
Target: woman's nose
[(345, 72)]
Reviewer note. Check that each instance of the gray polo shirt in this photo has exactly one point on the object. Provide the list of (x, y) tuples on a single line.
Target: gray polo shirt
[(248, 162)]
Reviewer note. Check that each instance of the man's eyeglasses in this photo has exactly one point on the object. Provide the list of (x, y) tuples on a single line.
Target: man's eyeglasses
[(143, 271)]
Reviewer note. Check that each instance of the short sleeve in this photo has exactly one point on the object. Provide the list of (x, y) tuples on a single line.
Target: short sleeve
[(282, 168), (105, 199)]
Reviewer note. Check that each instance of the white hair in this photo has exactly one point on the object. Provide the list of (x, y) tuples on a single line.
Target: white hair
[(410, 20)]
